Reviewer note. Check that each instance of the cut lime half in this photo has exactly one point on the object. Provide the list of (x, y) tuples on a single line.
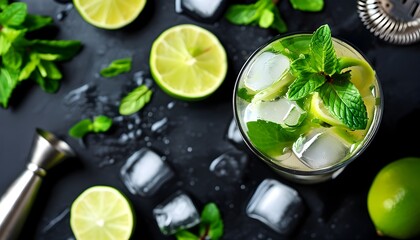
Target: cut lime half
[(109, 14), (188, 62), (101, 212)]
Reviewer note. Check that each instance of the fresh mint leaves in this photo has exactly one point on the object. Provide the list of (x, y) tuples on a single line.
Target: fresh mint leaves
[(117, 67), (211, 225), (269, 137), (24, 58), (320, 71), (99, 124), (135, 100), (308, 5), (264, 13)]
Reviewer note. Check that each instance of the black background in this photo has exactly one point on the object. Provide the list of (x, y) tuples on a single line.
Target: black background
[(196, 131)]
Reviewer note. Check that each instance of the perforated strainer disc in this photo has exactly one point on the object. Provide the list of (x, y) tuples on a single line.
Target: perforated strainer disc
[(395, 21)]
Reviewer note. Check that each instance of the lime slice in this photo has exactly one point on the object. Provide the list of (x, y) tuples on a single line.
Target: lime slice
[(109, 14), (319, 110), (101, 212), (188, 62)]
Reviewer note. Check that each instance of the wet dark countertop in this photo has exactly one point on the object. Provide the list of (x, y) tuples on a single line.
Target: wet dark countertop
[(196, 132)]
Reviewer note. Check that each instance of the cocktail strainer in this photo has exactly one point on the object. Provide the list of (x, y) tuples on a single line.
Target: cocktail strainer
[(395, 21)]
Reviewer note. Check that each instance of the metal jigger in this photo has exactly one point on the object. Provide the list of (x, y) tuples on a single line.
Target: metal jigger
[(15, 204)]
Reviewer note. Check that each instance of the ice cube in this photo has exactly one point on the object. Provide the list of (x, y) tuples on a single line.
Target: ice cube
[(281, 111), (233, 133), (145, 172), (202, 10), (176, 213), (320, 149), (230, 165), (276, 205), (265, 70)]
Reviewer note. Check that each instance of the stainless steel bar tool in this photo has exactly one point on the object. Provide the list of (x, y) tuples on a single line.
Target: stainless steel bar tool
[(47, 151)]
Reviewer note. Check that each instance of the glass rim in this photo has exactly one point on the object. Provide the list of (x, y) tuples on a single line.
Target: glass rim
[(373, 129)]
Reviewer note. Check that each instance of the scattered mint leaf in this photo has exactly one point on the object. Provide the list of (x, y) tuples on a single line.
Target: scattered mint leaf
[(13, 15), (320, 71), (117, 67), (270, 137), (343, 100), (186, 235), (30, 66), (80, 129), (135, 100), (8, 82), (3, 4), (243, 93), (35, 22), (211, 222), (308, 5), (47, 84), (62, 49), (13, 58), (99, 124), (264, 13)]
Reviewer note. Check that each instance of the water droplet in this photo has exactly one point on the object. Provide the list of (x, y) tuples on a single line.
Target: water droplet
[(170, 105), (189, 149), (217, 188), (56, 220)]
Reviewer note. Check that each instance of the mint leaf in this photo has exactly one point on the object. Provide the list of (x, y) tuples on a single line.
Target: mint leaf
[(243, 93), (3, 4), (35, 22), (266, 19), (80, 129), (47, 84), (270, 137), (117, 67), (8, 82), (12, 58), (4, 44), (13, 15), (30, 66), (323, 55), (186, 235), (308, 5), (278, 23), (62, 49), (51, 70), (344, 101), (305, 84), (241, 14), (211, 222), (135, 100), (101, 124)]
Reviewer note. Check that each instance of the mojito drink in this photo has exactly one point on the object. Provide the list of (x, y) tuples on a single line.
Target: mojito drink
[(307, 104)]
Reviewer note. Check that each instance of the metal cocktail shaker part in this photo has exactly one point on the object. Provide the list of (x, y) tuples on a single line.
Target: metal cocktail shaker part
[(395, 21), (47, 151)]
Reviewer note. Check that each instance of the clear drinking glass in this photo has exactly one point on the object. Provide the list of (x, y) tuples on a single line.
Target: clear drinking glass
[(324, 148)]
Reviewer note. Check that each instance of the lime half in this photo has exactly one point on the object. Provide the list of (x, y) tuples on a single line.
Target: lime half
[(109, 14), (188, 62), (101, 212)]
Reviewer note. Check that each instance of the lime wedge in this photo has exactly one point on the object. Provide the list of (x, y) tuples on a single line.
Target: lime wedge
[(188, 62), (109, 14), (319, 110), (101, 212)]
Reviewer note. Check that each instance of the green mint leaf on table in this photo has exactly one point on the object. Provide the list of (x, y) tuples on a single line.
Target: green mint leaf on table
[(35, 22), (13, 58), (8, 82), (186, 235), (263, 13), (308, 5), (320, 71), (135, 100), (343, 100), (211, 222), (117, 67), (13, 15), (99, 124), (60, 50), (270, 137), (3, 4)]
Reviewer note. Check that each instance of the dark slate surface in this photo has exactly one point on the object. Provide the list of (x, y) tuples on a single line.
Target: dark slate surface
[(196, 131)]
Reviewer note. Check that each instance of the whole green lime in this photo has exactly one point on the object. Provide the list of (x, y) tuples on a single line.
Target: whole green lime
[(394, 199)]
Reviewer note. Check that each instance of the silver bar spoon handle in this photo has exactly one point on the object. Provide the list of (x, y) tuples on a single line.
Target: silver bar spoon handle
[(17, 201)]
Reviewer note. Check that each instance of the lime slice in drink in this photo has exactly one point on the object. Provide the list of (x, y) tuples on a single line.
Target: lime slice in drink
[(188, 62), (319, 110), (101, 212), (109, 14)]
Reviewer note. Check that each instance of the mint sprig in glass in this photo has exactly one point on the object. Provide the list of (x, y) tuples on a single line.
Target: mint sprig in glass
[(308, 104)]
